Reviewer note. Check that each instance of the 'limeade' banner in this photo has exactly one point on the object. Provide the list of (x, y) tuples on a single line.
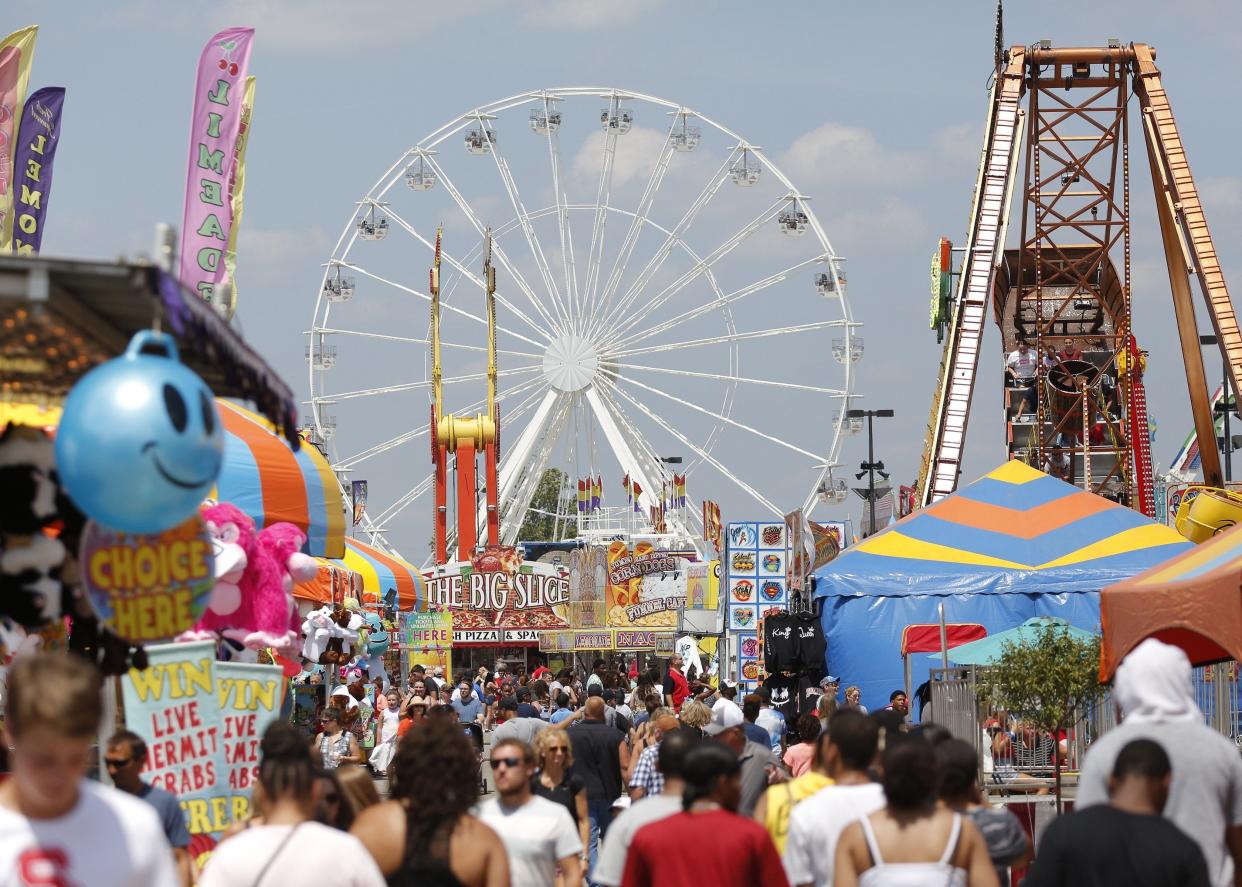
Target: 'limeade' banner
[(214, 127), (237, 191), (16, 51), (36, 150), (202, 721), (249, 697)]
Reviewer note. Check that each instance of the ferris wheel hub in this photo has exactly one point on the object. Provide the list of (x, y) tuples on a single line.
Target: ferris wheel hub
[(571, 362)]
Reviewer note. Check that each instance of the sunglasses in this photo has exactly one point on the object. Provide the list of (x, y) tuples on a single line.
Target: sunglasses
[(497, 763), (116, 763), (563, 749)]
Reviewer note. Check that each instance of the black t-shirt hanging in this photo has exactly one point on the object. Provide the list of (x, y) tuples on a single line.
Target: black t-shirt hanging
[(811, 644), (780, 644), (784, 692)]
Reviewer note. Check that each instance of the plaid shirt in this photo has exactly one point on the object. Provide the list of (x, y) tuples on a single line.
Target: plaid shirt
[(646, 775)]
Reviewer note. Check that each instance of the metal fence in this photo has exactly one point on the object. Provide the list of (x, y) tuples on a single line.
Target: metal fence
[(955, 705)]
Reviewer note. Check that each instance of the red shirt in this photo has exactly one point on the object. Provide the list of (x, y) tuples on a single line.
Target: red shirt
[(675, 685), (714, 847)]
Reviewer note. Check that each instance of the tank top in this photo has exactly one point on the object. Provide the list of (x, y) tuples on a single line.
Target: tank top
[(331, 750), (431, 870), (912, 874)]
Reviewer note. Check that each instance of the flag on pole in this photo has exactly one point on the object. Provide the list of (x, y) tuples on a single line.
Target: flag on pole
[(34, 155), (597, 493), (629, 493), (638, 491), (16, 51), (582, 496), (679, 490), (207, 221), (712, 527), (237, 190)]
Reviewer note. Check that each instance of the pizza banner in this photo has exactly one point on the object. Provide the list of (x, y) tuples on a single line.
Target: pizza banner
[(497, 590)]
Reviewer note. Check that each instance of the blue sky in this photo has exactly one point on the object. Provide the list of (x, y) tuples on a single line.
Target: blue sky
[(873, 109)]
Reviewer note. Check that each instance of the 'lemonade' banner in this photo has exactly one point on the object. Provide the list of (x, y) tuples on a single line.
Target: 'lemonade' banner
[(214, 127), (16, 51), (237, 190), (36, 150)]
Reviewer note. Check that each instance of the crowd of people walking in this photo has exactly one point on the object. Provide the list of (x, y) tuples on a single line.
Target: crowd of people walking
[(667, 784)]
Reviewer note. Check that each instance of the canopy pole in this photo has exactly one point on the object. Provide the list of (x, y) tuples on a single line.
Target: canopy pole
[(944, 637)]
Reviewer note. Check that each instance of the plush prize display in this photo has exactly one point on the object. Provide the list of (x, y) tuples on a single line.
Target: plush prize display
[(31, 589), (251, 604), (140, 443)]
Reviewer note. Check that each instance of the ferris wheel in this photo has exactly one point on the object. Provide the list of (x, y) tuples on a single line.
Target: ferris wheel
[(665, 294)]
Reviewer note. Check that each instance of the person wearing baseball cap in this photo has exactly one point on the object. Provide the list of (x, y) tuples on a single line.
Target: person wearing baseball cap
[(725, 711)]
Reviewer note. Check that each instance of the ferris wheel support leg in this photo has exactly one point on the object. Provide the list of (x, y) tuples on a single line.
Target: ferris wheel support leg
[(493, 505), (467, 529), (441, 504)]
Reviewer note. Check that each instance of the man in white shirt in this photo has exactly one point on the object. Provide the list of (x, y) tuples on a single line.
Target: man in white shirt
[(1020, 368), (670, 760), (56, 827), (596, 677), (815, 825), (538, 834), (725, 711)]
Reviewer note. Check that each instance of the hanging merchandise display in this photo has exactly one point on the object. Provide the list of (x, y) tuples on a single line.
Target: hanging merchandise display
[(139, 444), (755, 579)]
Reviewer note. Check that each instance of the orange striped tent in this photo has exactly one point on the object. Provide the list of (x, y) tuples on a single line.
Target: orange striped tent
[(269, 482)]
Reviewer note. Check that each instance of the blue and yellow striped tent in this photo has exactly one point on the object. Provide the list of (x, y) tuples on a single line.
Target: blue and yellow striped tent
[(1013, 545)]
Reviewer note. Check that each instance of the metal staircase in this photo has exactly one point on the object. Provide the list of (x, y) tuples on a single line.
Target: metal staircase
[(951, 407)]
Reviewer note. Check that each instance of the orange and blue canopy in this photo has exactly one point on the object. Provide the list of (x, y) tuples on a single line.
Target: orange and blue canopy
[(271, 483), (383, 573)]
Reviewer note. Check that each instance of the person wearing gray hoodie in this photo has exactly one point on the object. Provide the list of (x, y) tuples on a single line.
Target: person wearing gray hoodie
[(1154, 693)]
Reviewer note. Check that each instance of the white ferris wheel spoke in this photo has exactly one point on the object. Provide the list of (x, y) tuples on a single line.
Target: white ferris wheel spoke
[(671, 239), (690, 276), (469, 275), (603, 197), (635, 460), (730, 337), (519, 208), (643, 210), (832, 392), (518, 280), (703, 454), (523, 467), (720, 418), (390, 444), (410, 340), (716, 304), (453, 308), (405, 501), (423, 384), (562, 219)]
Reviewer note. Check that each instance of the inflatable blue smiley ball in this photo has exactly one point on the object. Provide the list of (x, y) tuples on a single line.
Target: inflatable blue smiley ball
[(140, 444)]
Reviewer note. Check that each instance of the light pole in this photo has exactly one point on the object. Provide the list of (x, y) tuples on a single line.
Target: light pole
[(1226, 406), (870, 467)]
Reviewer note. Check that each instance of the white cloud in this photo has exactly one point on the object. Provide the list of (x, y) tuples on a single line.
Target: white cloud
[(836, 153), (1224, 192), (635, 157), (585, 15)]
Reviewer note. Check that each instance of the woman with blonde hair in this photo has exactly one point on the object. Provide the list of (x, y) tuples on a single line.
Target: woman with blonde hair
[(357, 792), (555, 779), (695, 714)]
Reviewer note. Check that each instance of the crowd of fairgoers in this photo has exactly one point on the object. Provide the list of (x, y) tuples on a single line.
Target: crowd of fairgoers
[(653, 779)]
